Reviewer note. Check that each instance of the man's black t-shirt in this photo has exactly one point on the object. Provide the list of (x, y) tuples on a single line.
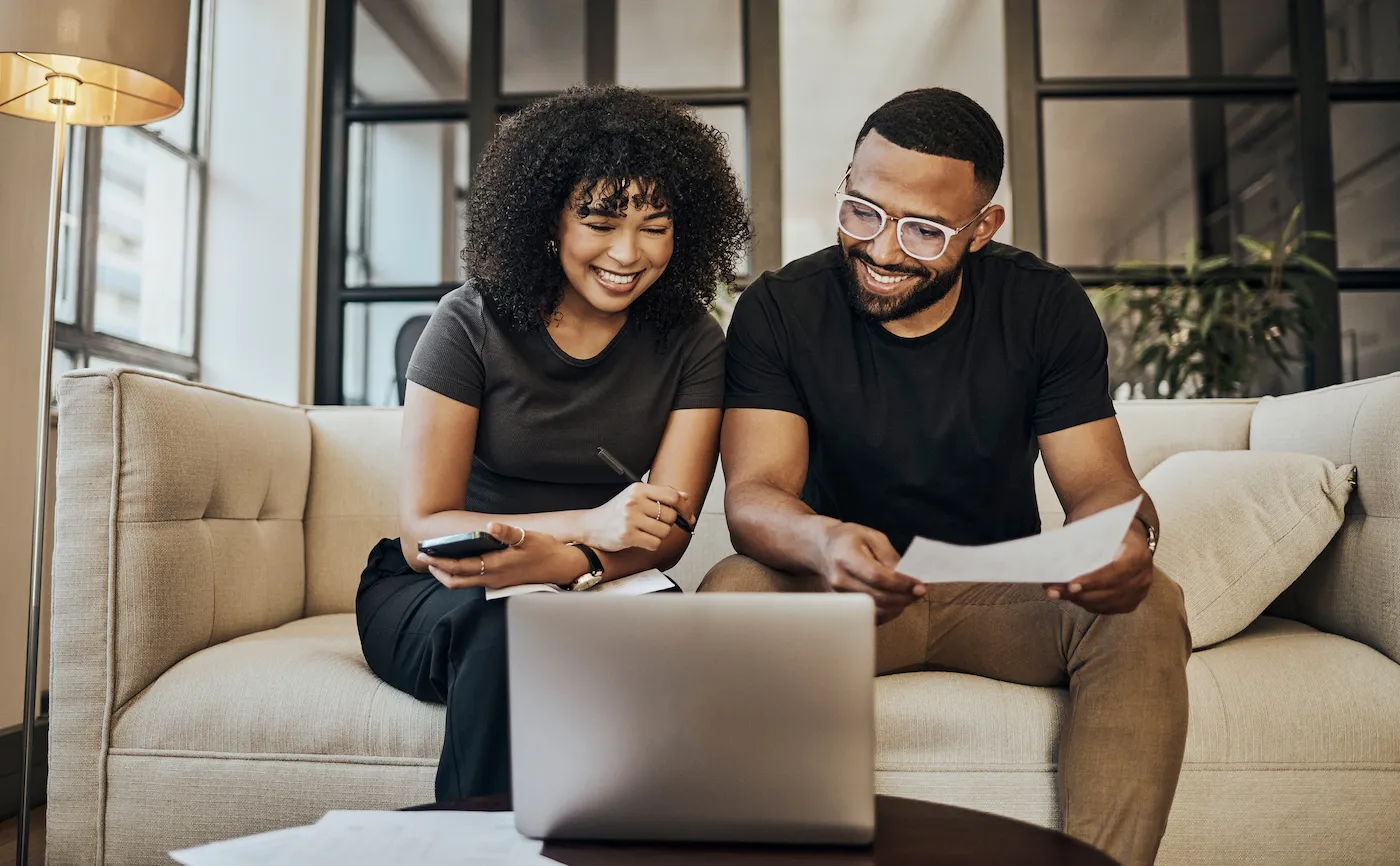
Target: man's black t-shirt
[(931, 436)]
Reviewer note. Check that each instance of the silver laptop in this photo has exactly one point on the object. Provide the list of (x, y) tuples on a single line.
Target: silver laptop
[(719, 718)]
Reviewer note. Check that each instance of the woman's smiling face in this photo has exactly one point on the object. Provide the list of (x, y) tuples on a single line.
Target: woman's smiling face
[(611, 256)]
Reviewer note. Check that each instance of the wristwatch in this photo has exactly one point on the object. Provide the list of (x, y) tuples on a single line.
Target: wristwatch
[(1151, 533), (595, 569)]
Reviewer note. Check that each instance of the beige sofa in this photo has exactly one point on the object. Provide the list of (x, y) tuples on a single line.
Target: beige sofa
[(208, 681)]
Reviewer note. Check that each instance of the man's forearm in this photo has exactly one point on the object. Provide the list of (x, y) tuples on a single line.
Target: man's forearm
[(775, 527), (1114, 493)]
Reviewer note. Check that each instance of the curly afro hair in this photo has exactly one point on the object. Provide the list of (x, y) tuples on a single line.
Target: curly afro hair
[(600, 140)]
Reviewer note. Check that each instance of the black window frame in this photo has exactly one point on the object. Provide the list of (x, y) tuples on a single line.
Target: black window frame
[(81, 339), (759, 96), (1308, 87)]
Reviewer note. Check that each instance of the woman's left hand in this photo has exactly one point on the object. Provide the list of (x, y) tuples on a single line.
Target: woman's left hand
[(534, 558)]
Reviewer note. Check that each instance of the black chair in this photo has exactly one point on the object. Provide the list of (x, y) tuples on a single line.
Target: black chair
[(409, 332)]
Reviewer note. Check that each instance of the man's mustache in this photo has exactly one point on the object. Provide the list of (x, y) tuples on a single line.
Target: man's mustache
[(862, 256)]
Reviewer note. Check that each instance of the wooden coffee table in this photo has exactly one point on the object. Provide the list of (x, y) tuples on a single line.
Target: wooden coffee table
[(906, 832)]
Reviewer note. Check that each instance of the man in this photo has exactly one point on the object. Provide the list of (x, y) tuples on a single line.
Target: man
[(901, 384)]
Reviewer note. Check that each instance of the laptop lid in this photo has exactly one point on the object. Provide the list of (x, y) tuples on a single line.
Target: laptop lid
[(744, 717)]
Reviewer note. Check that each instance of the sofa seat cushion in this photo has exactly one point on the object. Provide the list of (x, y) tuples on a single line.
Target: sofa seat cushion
[(1279, 694), (299, 690)]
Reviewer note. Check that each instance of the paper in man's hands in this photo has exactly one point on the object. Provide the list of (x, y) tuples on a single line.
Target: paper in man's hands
[(1057, 556)]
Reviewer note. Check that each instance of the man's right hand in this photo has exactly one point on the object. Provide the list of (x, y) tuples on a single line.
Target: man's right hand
[(857, 558)]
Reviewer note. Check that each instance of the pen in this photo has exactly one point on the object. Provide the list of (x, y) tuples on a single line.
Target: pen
[(632, 476)]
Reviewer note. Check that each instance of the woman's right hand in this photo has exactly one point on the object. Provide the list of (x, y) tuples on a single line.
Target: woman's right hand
[(640, 516)]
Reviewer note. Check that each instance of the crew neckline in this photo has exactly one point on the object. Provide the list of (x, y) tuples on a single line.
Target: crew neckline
[(586, 362), (962, 310)]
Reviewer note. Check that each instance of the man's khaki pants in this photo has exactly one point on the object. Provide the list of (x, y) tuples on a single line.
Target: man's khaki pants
[(1122, 742)]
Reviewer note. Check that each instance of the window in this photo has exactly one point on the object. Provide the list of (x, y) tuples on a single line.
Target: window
[(413, 90), (129, 246), (1135, 131)]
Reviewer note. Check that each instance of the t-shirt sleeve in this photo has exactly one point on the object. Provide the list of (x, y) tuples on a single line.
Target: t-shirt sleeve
[(757, 374), (702, 377), (1072, 352), (447, 358)]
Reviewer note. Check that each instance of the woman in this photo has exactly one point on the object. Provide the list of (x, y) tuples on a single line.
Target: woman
[(601, 222)]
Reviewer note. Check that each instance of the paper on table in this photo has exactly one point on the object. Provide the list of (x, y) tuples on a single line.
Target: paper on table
[(240, 852), (1057, 556), (640, 583), (411, 839)]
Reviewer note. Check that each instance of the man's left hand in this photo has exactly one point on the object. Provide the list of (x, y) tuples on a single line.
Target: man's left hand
[(1118, 587)]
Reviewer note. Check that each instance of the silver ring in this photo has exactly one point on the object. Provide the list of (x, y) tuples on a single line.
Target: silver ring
[(522, 537), (658, 511)]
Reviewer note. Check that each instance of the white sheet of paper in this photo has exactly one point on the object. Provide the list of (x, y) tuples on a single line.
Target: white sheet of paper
[(246, 851), (1057, 556), (640, 583), (364, 838)]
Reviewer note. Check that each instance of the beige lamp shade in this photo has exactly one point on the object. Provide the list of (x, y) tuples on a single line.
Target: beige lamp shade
[(118, 62)]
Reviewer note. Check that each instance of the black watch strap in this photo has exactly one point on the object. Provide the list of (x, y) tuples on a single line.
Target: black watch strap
[(595, 565)]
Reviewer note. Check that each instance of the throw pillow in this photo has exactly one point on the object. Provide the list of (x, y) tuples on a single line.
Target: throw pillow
[(1239, 526)]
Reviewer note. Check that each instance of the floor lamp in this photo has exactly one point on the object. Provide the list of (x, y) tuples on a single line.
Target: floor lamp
[(78, 63)]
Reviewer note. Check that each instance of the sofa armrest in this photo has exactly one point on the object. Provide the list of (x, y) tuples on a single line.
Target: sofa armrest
[(1353, 588), (178, 524)]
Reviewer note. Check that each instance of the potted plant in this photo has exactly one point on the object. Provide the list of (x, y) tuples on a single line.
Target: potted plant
[(1200, 329)]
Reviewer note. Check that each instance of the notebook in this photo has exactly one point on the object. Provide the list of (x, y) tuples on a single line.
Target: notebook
[(641, 583)]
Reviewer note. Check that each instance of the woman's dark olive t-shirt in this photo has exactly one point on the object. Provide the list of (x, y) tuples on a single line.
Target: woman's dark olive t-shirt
[(543, 414)]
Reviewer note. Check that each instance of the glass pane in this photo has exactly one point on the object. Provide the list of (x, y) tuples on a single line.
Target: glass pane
[(543, 45), (680, 43), (179, 130), (373, 357), (63, 362), (1120, 176), (70, 230), (1366, 166), (732, 120), (411, 50), (405, 199), (1370, 333), (146, 214), (1363, 39), (1094, 38), (99, 363)]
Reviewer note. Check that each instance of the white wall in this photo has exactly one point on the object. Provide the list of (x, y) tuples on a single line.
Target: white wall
[(261, 194), (841, 59), (24, 192)]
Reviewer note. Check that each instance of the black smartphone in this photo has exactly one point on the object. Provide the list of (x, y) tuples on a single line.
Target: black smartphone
[(461, 546)]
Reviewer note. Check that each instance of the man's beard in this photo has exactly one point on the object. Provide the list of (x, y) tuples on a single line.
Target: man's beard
[(933, 288)]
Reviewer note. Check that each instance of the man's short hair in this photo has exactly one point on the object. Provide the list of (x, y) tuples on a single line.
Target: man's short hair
[(942, 122)]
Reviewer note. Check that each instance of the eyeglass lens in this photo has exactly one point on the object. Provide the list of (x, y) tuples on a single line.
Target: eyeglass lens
[(863, 222)]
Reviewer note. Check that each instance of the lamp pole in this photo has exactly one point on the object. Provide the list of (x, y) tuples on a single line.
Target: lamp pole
[(62, 95), (77, 63)]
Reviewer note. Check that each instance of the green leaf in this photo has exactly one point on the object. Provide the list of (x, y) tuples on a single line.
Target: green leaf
[(1255, 248), (1213, 263), (1313, 265), (1140, 265), (1292, 222), (1190, 254)]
